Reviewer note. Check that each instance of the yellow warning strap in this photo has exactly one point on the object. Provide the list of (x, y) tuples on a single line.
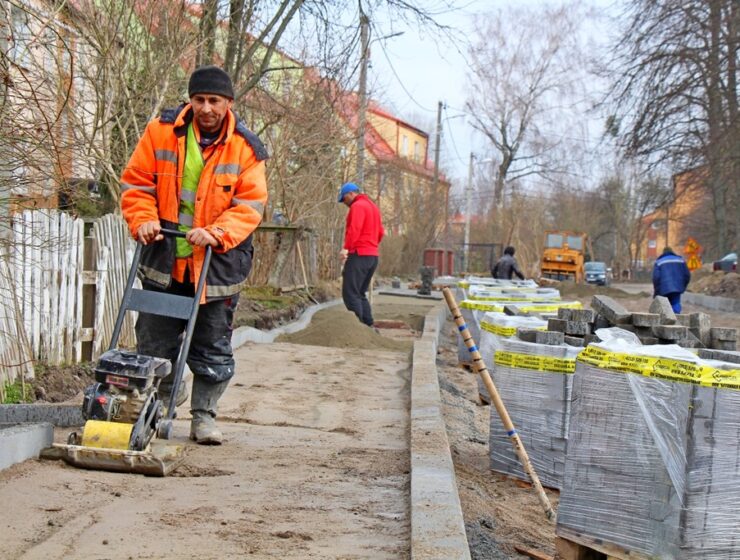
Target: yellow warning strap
[(545, 307), (661, 368), (525, 299), (467, 304), (506, 331), (547, 364)]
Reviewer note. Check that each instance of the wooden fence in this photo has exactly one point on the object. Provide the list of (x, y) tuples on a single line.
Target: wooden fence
[(60, 290), (62, 280)]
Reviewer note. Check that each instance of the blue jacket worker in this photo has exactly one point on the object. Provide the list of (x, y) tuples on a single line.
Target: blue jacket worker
[(671, 276)]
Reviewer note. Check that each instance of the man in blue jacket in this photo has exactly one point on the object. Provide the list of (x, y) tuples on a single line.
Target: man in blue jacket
[(671, 276)]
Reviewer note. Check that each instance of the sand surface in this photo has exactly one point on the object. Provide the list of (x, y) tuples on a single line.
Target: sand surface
[(315, 465)]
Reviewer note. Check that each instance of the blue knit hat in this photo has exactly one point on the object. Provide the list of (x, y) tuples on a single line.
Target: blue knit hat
[(347, 188)]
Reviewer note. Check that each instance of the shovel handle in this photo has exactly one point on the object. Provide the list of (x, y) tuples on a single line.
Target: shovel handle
[(480, 368)]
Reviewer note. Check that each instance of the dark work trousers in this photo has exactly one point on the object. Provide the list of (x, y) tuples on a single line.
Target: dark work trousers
[(211, 357), (358, 271), (675, 300)]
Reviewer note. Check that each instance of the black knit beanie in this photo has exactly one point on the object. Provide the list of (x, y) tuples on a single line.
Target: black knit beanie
[(210, 79)]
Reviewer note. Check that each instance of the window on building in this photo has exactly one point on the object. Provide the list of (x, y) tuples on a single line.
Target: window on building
[(404, 145), (417, 151), (652, 244), (20, 51)]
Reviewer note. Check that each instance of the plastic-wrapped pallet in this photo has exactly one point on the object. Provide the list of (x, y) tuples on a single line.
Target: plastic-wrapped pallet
[(653, 462), (490, 293), (534, 381), (472, 312), (465, 284), (494, 329)]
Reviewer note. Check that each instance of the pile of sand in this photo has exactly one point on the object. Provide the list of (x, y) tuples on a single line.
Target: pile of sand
[(723, 284), (338, 328)]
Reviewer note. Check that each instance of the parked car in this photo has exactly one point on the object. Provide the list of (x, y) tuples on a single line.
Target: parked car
[(596, 272), (728, 263)]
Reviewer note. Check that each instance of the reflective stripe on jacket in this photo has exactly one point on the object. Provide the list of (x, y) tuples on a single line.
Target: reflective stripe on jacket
[(229, 202)]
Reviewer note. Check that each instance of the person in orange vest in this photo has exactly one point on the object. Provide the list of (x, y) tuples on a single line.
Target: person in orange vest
[(198, 169), (362, 235)]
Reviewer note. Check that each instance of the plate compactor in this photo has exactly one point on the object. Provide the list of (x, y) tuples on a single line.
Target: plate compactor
[(123, 409)]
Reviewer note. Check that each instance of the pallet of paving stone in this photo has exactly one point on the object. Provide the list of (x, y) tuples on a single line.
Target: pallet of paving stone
[(494, 328), (653, 457), (572, 545), (534, 381)]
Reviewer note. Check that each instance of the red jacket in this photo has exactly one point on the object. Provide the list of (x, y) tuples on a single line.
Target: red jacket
[(364, 229)]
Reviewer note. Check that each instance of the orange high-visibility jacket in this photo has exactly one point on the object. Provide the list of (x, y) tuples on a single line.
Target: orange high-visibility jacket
[(229, 203)]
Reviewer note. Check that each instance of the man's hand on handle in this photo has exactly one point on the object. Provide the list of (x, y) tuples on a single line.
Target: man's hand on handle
[(343, 255), (201, 238), (149, 232)]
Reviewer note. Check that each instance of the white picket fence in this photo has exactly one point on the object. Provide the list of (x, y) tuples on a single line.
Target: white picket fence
[(42, 282)]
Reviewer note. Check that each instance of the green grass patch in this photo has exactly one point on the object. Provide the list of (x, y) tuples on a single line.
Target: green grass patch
[(269, 297), (17, 392)]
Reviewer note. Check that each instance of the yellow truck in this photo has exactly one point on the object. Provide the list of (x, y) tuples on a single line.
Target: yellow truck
[(563, 255)]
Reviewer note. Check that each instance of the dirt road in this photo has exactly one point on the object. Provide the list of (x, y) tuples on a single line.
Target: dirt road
[(315, 465)]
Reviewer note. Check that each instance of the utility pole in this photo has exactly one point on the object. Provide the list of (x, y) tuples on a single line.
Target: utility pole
[(436, 183), (362, 110), (468, 211)]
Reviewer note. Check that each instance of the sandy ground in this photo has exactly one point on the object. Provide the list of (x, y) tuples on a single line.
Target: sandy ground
[(315, 465)]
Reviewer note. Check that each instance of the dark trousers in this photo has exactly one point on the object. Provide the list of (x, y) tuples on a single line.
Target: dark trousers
[(675, 299), (358, 271), (211, 356)]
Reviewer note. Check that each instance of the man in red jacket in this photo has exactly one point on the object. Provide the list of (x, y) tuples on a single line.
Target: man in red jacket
[(362, 236)]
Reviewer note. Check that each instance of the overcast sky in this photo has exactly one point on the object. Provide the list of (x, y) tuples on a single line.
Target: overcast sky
[(410, 73)]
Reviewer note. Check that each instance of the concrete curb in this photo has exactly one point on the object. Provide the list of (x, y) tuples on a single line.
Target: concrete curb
[(437, 525), (61, 415), (729, 305), (242, 335), (21, 442)]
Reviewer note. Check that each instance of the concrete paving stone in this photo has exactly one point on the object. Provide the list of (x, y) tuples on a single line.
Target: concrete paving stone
[(548, 337), (716, 354), (648, 340), (723, 333), (645, 319), (683, 319), (613, 311), (591, 339), (730, 345), (556, 325), (574, 341), (670, 332), (601, 322), (527, 335), (512, 310), (577, 328), (586, 315), (662, 306)]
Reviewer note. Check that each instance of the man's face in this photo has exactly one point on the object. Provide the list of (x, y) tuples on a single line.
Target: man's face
[(348, 198), (210, 110)]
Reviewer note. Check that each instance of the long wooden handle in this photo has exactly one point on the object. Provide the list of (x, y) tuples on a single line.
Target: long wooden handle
[(480, 368)]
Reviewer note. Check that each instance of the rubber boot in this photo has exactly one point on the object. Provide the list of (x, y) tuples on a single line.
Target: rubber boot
[(205, 397), (165, 390)]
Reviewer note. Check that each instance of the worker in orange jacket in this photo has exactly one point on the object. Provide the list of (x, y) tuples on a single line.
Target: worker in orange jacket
[(198, 169)]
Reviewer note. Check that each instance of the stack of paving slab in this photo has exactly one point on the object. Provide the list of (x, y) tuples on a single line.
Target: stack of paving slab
[(534, 381), (660, 325), (653, 457), (496, 327), (520, 301)]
